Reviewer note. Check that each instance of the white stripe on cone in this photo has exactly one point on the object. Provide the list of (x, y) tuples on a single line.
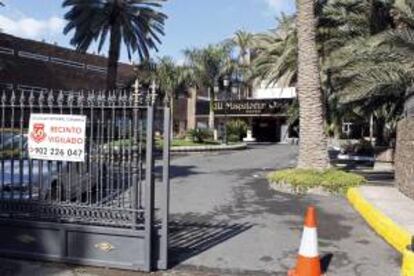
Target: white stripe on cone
[(309, 244)]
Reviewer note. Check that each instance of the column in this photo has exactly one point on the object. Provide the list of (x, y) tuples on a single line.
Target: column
[(249, 137)]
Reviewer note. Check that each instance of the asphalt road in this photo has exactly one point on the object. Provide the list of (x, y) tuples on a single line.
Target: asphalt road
[(228, 220)]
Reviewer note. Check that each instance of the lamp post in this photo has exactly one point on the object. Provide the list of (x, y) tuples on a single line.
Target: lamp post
[(216, 90), (226, 85), (235, 89)]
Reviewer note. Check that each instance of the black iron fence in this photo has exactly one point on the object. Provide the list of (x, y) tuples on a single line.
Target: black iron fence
[(113, 187)]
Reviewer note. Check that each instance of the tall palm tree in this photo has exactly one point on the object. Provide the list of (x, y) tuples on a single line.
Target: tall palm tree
[(313, 141), (243, 42), (276, 50), (171, 79), (136, 23), (207, 67)]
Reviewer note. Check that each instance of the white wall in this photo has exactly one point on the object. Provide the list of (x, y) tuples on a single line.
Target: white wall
[(273, 92)]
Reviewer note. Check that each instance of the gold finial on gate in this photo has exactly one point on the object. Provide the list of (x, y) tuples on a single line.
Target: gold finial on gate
[(25, 238)]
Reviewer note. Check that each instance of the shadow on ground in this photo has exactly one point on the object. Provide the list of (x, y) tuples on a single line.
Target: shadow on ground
[(189, 238), (386, 177), (176, 171)]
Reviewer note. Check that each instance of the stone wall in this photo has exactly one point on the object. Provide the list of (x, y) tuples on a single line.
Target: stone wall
[(404, 157)]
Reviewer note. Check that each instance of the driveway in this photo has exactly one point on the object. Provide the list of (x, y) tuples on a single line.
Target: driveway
[(228, 221)]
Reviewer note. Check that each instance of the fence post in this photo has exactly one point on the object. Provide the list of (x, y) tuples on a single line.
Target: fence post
[(149, 180), (165, 201)]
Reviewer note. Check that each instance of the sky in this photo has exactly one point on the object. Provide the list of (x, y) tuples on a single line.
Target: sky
[(191, 23)]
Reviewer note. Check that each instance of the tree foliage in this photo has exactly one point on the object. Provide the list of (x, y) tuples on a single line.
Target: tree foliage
[(136, 24), (366, 52)]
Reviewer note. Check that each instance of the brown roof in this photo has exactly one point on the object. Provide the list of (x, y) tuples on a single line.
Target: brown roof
[(38, 64)]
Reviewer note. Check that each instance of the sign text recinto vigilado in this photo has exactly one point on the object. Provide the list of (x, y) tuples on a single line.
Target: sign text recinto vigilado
[(57, 137)]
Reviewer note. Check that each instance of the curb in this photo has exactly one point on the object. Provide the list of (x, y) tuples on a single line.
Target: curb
[(393, 233), (209, 148), (407, 268)]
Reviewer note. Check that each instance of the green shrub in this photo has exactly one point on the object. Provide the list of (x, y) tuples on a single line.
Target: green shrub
[(236, 130), (200, 135), (331, 180), (233, 138)]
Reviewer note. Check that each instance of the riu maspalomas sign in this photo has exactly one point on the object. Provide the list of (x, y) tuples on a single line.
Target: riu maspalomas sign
[(274, 106)]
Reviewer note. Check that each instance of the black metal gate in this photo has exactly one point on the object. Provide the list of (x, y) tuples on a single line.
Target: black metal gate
[(99, 212)]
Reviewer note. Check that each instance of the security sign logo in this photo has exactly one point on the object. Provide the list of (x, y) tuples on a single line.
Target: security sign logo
[(38, 134)]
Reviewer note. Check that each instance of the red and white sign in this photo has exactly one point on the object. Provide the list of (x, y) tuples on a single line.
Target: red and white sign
[(57, 137)]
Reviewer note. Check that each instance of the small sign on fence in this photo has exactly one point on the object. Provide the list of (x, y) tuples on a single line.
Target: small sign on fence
[(57, 137)]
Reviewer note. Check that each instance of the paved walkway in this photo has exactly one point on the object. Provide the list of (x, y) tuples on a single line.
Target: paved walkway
[(392, 203), (389, 212)]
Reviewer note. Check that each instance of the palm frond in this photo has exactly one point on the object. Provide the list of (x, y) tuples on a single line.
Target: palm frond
[(137, 21), (377, 82)]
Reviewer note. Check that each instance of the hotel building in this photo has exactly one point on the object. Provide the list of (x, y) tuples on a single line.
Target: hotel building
[(264, 109), (30, 65)]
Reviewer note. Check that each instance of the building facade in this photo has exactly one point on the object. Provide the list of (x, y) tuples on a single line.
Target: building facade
[(264, 109), (32, 65)]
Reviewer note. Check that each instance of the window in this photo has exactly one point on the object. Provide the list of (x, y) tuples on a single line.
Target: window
[(28, 88), (347, 128), (6, 86), (98, 69), (33, 56), (69, 63), (7, 51)]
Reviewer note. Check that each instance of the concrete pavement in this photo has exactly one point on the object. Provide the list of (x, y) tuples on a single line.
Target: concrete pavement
[(389, 212), (391, 203)]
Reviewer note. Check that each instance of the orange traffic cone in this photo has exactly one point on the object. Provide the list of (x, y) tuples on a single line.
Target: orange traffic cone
[(308, 262)]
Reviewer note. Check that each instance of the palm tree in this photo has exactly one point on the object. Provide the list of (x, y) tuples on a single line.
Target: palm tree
[(243, 42), (136, 23), (356, 65), (313, 141), (172, 81), (276, 60), (207, 67), (380, 71)]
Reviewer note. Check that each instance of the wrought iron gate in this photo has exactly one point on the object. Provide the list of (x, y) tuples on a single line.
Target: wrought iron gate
[(100, 212)]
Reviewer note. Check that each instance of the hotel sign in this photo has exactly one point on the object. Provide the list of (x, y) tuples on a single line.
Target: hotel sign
[(273, 106)]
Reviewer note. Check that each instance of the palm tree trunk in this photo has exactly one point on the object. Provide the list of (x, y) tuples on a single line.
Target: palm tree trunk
[(313, 141), (172, 117), (113, 57), (211, 114)]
